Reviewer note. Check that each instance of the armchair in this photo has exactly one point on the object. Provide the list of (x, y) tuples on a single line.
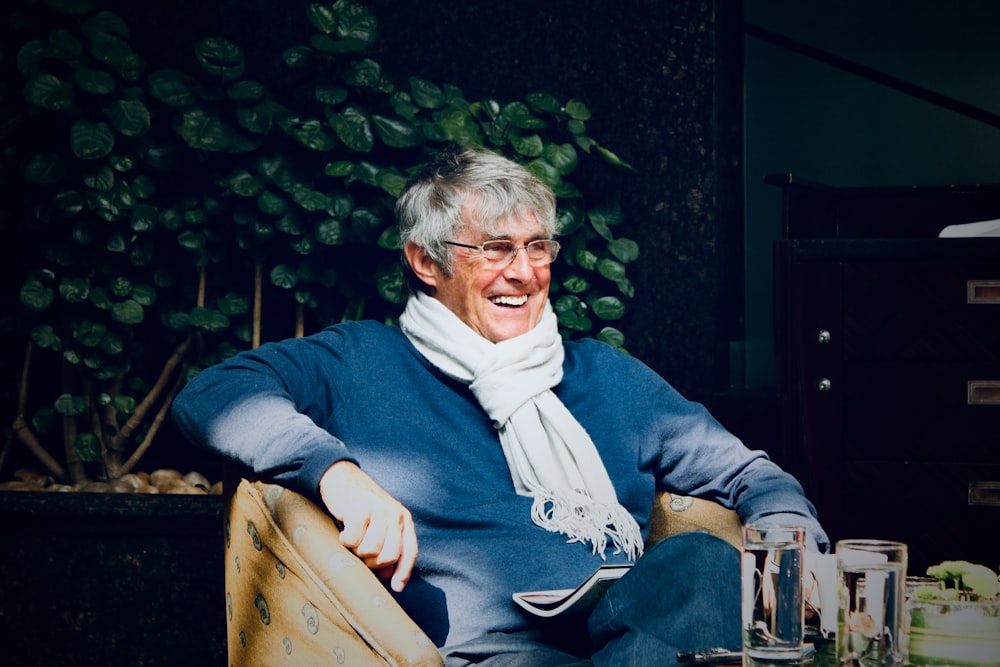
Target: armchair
[(295, 596)]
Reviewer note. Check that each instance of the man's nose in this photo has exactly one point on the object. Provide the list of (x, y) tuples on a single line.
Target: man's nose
[(519, 267)]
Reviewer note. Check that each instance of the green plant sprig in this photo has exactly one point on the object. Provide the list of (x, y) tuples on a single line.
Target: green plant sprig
[(963, 580)]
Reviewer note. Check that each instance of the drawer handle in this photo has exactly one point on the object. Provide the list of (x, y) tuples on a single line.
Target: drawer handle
[(982, 291), (984, 493), (983, 392)]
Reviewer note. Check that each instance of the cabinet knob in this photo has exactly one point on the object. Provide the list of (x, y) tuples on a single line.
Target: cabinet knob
[(823, 336), (824, 384)]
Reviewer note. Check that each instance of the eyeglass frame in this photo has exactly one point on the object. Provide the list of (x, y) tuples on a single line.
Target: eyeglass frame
[(554, 247)]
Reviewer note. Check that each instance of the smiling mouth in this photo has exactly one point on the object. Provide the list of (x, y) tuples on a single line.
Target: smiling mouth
[(510, 301)]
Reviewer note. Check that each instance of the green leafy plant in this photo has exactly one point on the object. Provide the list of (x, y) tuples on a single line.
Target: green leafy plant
[(963, 581), (162, 213)]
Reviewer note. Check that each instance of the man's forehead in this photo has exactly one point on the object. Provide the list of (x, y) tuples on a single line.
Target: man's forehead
[(519, 224)]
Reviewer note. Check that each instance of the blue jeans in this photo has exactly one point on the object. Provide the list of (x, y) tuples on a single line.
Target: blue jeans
[(682, 595)]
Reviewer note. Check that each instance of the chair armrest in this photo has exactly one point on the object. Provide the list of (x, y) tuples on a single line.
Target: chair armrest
[(295, 593), (674, 514)]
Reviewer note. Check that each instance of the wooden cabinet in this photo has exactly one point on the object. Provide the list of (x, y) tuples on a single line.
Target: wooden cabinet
[(888, 348)]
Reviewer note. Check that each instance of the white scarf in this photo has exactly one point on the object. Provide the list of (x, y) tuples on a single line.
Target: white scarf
[(550, 455)]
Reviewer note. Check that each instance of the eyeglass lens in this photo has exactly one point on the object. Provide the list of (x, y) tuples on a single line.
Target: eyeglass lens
[(538, 251)]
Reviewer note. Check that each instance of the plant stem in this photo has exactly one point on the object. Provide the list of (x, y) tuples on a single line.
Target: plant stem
[(77, 471), (20, 426), (155, 425), (258, 299), (136, 418), (300, 319)]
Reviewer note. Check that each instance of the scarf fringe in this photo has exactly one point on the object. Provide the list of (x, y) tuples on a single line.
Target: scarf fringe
[(583, 519)]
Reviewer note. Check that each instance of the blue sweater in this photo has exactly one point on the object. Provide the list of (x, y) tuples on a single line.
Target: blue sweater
[(360, 391)]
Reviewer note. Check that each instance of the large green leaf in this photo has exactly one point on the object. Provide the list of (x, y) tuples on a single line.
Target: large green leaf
[(48, 92), (397, 132), (561, 156), (353, 128), (31, 56), (127, 312), (577, 110), (112, 344), (528, 145), (144, 294), (545, 172), (367, 74), (74, 290), (391, 181), (130, 117), (352, 23), (45, 169), (339, 169), (271, 203), (87, 447), (311, 134), (246, 91), (608, 308), (426, 94), (519, 115), (220, 57), (544, 102), (37, 296), (611, 336), (89, 333), (93, 81), (44, 336), (204, 131), (284, 276), (330, 231), (611, 269), (310, 200), (106, 34), (457, 126), (626, 250), (611, 157), (390, 281), (208, 320), (234, 304), (172, 88), (70, 406)]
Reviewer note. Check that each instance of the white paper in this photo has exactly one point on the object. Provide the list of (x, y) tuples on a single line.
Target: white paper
[(824, 568), (984, 228)]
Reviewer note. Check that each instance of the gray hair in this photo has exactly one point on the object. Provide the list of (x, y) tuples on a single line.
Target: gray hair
[(429, 210)]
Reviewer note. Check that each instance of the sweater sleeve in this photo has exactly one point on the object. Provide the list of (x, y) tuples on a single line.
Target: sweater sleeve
[(690, 452), (260, 409), (701, 457)]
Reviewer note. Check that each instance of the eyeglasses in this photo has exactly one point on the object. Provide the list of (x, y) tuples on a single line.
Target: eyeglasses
[(501, 252)]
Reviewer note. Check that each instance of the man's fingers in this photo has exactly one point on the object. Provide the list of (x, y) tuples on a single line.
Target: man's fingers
[(407, 558), (354, 531)]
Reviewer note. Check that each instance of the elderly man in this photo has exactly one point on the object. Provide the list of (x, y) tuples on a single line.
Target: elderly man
[(471, 453)]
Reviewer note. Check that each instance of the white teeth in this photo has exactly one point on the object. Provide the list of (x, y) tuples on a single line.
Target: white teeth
[(510, 300)]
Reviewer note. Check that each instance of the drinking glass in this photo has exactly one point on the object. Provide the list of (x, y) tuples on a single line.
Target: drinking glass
[(772, 592), (871, 582)]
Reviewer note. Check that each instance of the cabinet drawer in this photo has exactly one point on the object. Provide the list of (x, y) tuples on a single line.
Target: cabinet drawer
[(925, 505), (922, 310), (921, 411)]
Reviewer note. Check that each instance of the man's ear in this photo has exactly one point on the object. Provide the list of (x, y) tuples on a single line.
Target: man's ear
[(423, 266)]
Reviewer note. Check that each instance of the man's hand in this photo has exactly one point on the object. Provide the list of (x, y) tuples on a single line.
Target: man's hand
[(376, 526)]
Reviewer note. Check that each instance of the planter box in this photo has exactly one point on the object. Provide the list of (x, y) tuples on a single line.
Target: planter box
[(111, 579), (955, 633)]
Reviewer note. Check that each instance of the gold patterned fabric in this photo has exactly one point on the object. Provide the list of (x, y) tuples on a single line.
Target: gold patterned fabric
[(295, 596)]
